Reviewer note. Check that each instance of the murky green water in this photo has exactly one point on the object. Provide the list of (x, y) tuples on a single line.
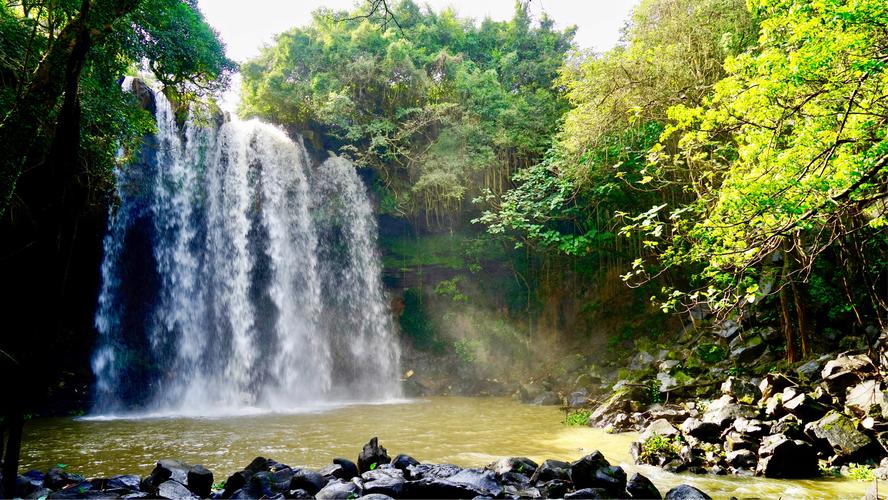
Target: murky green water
[(464, 431)]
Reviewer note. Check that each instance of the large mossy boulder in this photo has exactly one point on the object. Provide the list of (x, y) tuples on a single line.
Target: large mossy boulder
[(841, 433), (780, 456)]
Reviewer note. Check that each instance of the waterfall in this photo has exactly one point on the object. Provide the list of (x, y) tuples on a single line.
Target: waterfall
[(238, 274)]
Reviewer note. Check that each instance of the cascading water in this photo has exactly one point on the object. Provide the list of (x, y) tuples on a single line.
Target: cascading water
[(238, 275)]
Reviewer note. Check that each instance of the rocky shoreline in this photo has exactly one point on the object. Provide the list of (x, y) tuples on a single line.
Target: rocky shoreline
[(374, 475)]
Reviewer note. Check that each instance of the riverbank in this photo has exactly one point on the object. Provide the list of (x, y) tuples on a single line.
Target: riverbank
[(374, 474)]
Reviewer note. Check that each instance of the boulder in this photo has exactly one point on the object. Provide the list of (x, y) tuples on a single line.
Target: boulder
[(478, 479), (750, 351), (259, 464), (56, 479), (845, 371), (866, 399), (177, 471), (372, 455), (307, 480), (514, 465), (389, 485), (340, 489), (619, 402), (741, 459), (686, 492), (611, 479), (200, 481), (811, 369), (174, 490), (774, 383), (582, 471), (704, 431), (789, 425), (639, 486), (126, 481), (436, 471), (840, 432), (741, 390), (237, 481), (661, 427), (782, 457), (724, 411), (403, 461), (550, 470), (556, 488), (349, 469), (431, 487)]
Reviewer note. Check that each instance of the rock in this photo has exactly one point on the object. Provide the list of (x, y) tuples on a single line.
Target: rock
[(554, 489), (403, 461), (377, 496), (782, 457), (349, 469), (38, 493), (866, 399), (431, 487), (334, 471), (589, 493), (372, 454), (790, 425), (514, 465), (340, 489), (704, 431), (774, 383), (668, 365), (750, 427), (666, 381), (127, 481), (200, 481), (686, 492), (840, 432), (174, 490), (79, 490), (546, 398), (741, 390), (56, 479), (674, 414), (723, 411), (578, 398), (741, 459), (392, 486), (750, 351), (237, 481), (582, 471), (478, 479), (845, 371), (551, 469), (611, 479), (811, 369), (435, 471), (641, 487), (307, 480), (661, 427), (727, 329), (144, 95), (619, 402), (259, 464)]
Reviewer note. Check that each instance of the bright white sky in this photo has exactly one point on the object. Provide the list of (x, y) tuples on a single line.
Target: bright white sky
[(247, 26)]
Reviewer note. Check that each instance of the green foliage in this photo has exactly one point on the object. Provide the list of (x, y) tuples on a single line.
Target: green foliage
[(711, 353), (449, 288), (416, 323), (653, 390), (467, 350), (437, 107), (660, 446), (577, 417), (860, 472)]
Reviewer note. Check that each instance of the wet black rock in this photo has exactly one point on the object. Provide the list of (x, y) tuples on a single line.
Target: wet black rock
[(259, 464), (437, 471), (480, 479), (552, 469), (200, 481), (349, 468), (372, 456), (555, 488), (708, 432), (546, 398), (126, 481), (403, 461), (686, 492), (392, 486), (741, 459), (174, 490), (431, 487), (583, 471), (235, 482), (56, 479), (639, 486), (780, 456), (308, 480), (514, 465), (339, 489)]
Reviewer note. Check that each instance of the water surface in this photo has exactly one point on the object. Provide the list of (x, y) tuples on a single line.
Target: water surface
[(463, 431)]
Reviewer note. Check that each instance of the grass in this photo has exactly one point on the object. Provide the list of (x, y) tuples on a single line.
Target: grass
[(577, 417)]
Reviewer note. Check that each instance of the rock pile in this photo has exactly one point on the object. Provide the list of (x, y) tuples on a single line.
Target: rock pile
[(778, 426), (375, 476)]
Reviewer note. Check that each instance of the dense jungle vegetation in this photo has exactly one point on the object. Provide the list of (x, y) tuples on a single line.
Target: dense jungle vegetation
[(727, 156)]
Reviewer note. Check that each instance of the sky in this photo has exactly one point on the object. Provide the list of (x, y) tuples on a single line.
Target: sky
[(246, 27)]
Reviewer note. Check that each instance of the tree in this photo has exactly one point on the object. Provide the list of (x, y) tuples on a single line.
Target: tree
[(788, 157), (64, 119)]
